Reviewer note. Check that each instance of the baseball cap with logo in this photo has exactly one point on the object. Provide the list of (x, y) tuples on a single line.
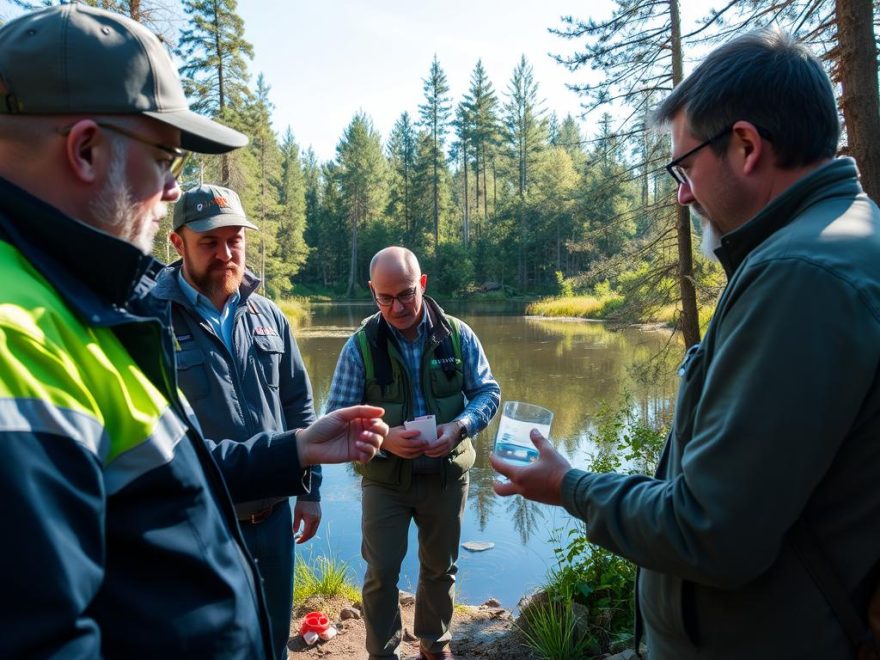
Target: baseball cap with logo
[(72, 59), (209, 207)]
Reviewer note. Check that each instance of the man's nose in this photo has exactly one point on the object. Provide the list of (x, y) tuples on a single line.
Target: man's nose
[(171, 191), (223, 252), (396, 305), (685, 195)]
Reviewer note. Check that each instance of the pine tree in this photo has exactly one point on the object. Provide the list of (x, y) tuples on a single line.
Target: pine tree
[(402, 157), (435, 114), (292, 248), (461, 151), (526, 138), (481, 103), (362, 182), (261, 194), (215, 75)]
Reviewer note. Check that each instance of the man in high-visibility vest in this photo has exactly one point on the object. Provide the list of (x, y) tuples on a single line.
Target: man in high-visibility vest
[(121, 540)]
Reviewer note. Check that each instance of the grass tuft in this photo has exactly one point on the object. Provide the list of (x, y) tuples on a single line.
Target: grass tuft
[(326, 577), (551, 629)]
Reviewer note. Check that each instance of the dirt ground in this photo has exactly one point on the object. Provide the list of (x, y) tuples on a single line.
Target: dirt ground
[(479, 633)]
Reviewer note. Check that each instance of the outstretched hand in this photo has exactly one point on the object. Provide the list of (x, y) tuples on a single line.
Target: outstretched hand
[(540, 481), (348, 434)]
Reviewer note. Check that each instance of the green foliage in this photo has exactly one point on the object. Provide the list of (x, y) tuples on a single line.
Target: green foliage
[(600, 581), (325, 576), (626, 440), (455, 271), (550, 627), (566, 288)]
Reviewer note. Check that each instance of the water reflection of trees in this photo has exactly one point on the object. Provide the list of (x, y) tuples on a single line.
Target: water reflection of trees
[(524, 514)]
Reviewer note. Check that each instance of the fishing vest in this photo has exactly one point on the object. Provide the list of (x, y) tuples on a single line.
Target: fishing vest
[(387, 384)]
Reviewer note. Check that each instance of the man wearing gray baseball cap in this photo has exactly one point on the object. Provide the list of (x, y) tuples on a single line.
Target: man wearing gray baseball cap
[(123, 541), (239, 366)]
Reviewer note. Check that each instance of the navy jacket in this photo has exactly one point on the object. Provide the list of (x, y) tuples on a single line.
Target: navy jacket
[(263, 386)]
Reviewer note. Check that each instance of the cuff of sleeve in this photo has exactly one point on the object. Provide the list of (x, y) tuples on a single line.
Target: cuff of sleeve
[(287, 460), (575, 486)]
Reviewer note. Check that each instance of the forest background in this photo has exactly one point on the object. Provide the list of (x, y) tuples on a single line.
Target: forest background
[(495, 192)]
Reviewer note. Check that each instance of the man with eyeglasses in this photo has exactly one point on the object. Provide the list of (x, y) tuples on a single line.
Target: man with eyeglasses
[(413, 360), (758, 536), (239, 366), (121, 539)]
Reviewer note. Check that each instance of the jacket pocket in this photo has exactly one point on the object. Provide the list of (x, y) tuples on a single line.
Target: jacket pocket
[(267, 353), (192, 376)]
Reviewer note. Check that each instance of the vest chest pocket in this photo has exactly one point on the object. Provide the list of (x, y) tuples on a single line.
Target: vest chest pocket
[(191, 374), (268, 350), (443, 385)]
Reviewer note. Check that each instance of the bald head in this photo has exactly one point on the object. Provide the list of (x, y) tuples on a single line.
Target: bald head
[(398, 285), (395, 260)]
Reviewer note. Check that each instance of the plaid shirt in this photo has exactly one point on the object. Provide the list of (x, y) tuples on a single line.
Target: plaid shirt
[(480, 388)]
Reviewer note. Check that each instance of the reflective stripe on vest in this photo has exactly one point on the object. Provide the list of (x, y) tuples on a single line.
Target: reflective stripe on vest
[(36, 416)]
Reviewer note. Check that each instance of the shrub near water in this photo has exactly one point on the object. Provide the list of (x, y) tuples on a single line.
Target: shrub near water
[(597, 306)]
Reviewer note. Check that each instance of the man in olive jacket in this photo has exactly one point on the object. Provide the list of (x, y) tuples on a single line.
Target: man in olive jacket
[(773, 461)]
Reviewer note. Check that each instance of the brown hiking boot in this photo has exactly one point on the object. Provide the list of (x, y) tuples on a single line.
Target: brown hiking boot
[(445, 654)]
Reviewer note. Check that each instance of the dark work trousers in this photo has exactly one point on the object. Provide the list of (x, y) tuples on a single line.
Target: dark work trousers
[(437, 509), (271, 544)]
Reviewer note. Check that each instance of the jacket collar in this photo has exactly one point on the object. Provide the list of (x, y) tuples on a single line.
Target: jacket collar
[(96, 274), (839, 177), (168, 288)]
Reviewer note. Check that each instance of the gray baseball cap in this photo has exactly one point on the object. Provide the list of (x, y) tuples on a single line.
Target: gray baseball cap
[(209, 207), (72, 59)]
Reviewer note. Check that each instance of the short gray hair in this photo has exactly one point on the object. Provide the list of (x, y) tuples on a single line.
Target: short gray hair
[(768, 78)]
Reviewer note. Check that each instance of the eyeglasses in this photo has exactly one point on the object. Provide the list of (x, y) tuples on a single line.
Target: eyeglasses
[(384, 300), (676, 171), (178, 156)]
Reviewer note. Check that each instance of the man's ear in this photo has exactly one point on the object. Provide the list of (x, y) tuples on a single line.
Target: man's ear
[(177, 242), (750, 146), (86, 152), (423, 281)]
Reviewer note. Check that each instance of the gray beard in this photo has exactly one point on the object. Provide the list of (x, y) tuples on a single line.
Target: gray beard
[(710, 241), (112, 206), (114, 211)]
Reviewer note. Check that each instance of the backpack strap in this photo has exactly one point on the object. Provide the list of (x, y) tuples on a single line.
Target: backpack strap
[(814, 560), (366, 354)]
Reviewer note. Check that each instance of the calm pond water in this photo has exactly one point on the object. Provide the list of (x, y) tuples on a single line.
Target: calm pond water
[(571, 367)]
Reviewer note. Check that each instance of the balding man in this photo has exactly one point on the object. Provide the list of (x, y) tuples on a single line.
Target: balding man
[(121, 538), (414, 360)]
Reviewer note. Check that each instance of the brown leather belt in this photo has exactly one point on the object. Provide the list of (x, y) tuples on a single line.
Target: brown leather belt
[(259, 516)]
